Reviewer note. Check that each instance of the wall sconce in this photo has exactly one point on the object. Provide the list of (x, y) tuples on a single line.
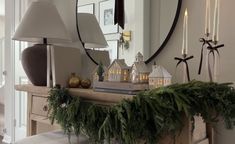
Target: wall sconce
[(125, 39)]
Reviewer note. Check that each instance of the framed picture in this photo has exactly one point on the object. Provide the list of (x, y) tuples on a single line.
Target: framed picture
[(88, 8), (113, 49), (106, 14)]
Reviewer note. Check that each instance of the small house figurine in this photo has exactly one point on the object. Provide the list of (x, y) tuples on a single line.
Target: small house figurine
[(159, 77), (139, 71), (96, 76), (120, 79), (118, 71)]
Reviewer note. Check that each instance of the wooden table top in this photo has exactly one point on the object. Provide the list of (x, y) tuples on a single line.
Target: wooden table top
[(86, 94)]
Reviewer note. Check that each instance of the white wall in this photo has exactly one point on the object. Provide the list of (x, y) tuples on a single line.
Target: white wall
[(161, 19), (2, 7), (2, 26), (167, 15), (154, 25)]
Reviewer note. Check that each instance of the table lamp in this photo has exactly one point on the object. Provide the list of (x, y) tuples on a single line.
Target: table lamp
[(90, 33), (43, 25)]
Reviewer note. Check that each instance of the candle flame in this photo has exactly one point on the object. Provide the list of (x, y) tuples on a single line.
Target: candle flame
[(186, 12)]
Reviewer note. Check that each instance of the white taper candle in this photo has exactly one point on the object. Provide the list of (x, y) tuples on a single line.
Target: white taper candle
[(216, 21), (208, 18), (185, 34)]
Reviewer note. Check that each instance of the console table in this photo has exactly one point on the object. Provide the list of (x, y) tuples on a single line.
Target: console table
[(38, 122)]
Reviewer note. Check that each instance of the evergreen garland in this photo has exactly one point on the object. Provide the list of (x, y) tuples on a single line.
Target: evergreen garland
[(148, 116)]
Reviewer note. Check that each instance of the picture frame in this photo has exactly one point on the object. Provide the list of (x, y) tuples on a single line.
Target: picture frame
[(87, 8), (106, 17)]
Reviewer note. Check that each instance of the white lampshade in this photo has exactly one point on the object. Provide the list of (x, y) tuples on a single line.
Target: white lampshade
[(90, 31), (42, 20)]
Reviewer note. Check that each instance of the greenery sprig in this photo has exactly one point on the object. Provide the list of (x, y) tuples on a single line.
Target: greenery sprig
[(148, 116)]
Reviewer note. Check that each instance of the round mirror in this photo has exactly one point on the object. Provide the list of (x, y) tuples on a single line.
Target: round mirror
[(149, 25)]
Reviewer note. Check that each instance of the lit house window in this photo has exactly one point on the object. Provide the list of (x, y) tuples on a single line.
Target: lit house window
[(125, 73)]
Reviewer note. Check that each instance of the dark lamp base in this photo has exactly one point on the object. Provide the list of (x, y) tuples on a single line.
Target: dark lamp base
[(34, 61)]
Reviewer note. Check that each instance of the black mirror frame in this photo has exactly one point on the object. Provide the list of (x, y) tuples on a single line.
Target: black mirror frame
[(79, 36), (159, 49)]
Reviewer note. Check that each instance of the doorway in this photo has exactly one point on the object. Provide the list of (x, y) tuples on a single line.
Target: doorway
[(2, 67), (20, 112), (15, 116)]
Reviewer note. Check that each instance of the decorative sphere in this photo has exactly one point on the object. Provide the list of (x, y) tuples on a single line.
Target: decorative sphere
[(74, 81), (86, 83)]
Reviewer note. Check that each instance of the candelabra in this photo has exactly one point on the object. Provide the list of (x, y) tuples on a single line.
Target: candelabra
[(213, 49), (184, 60)]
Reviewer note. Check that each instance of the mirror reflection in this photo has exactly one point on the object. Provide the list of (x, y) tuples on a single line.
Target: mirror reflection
[(162, 14), (147, 25)]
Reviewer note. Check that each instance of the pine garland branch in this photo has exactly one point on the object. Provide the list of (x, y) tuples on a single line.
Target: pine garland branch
[(149, 116)]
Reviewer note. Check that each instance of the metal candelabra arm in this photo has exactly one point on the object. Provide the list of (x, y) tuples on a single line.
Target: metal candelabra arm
[(213, 48), (184, 60)]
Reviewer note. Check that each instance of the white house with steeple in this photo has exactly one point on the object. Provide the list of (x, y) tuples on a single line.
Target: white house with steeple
[(139, 70)]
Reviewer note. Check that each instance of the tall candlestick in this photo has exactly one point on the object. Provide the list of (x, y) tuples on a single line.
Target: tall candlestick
[(208, 18), (216, 22), (185, 34)]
